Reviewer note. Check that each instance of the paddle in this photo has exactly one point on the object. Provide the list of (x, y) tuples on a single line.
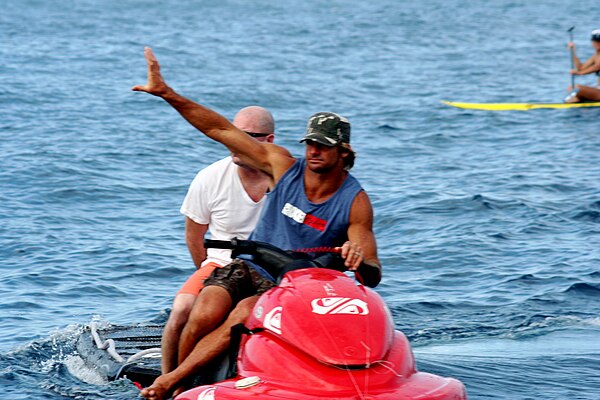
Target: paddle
[(572, 57), (572, 97)]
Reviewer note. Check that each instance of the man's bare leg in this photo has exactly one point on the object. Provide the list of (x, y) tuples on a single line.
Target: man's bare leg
[(210, 310), (182, 307), (206, 350)]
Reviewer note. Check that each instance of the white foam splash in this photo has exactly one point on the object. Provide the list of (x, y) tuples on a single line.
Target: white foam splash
[(79, 369), (592, 321)]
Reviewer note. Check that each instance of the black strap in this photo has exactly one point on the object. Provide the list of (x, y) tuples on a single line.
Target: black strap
[(234, 346), (369, 275)]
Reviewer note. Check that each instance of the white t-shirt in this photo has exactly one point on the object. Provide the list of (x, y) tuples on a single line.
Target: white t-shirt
[(217, 197)]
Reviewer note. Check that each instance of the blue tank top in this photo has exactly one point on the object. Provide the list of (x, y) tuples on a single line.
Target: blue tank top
[(291, 222)]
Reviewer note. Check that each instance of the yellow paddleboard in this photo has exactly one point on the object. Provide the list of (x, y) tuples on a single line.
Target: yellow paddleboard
[(517, 106)]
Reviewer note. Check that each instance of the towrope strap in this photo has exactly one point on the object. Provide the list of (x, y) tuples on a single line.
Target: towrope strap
[(108, 345), (237, 331), (322, 249)]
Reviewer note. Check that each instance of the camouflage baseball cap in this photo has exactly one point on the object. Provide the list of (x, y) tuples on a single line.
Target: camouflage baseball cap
[(328, 129)]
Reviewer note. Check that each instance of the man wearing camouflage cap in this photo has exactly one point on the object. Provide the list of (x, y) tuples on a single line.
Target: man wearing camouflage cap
[(314, 201)]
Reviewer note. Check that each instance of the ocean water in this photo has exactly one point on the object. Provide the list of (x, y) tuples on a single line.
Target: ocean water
[(488, 223)]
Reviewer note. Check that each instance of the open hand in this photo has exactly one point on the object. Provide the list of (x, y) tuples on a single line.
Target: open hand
[(156, 84), (352, 255)]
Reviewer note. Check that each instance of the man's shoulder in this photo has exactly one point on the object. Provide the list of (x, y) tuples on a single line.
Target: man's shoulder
[(353, 183), (213, 174), (219, 166), (297, 165)]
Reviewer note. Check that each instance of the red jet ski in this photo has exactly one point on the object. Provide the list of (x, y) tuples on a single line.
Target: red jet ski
[(319, 335)]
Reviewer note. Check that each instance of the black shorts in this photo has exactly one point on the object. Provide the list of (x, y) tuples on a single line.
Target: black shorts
[(240, 280)]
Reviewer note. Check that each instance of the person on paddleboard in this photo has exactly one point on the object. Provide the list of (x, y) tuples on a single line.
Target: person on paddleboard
[(314, 201), (225, 199), (583, 93)]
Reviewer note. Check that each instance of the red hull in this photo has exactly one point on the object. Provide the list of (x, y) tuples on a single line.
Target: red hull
[(320, 336)]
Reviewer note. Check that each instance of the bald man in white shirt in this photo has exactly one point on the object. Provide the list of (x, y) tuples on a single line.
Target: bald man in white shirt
[(225, 198)]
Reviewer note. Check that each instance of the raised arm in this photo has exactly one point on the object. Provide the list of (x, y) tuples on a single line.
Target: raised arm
[(267, 157), (360, 252)]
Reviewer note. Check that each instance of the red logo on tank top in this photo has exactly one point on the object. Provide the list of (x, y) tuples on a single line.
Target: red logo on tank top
[(301, 217)]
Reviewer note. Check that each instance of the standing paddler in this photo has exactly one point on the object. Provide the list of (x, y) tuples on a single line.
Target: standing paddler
[(581, 93)]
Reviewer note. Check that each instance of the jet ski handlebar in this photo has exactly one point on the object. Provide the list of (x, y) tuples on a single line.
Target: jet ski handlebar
[(275, 260)]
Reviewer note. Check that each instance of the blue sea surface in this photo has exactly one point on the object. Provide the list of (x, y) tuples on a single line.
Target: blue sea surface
[(488, 223)]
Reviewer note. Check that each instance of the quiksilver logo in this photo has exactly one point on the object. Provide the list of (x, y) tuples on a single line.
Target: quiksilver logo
[(208, 394), (273, 320), (339, 305)]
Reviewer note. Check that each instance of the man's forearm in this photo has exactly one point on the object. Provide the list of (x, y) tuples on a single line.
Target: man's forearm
[(209, 122), (194, 238), (198, 254), (218, 128)]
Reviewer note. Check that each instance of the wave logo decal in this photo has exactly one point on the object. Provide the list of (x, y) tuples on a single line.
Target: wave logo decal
[(208, 394), (339, 305), (272, 320)]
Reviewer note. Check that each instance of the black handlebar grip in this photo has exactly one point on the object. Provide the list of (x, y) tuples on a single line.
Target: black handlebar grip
[(218, 244)]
